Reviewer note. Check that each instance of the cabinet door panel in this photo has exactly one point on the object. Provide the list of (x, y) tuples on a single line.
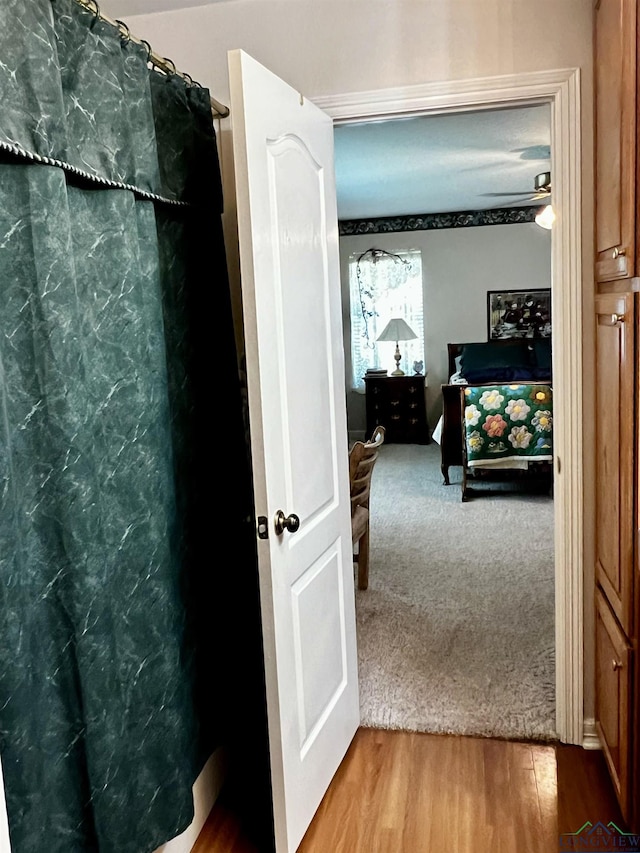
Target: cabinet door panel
[(613, 658), (615, 119), (614, 438)]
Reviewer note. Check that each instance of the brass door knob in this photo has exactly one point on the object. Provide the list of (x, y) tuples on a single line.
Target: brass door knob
[(283, 522)]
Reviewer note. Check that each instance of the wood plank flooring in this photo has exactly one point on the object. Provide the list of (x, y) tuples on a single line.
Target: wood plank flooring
[(402, 792)]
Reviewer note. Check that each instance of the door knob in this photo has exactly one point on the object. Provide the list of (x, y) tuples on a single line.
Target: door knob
[(618, 252), (283, 522), (616, 664)]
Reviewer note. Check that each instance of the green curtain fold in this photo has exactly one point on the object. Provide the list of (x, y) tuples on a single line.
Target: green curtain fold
[(77, 94), (107, 713)]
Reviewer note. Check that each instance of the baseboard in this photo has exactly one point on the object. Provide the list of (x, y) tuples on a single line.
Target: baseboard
[(590, 739), (205, 792)]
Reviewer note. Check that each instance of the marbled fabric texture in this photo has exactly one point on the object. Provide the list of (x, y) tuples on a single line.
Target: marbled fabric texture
[(74, 91), (101, 704)]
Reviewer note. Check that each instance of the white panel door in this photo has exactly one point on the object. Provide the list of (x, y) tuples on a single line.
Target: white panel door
[(288, 234)]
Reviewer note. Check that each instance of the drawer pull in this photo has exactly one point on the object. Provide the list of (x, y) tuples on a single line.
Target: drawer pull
[(617, 252), (616, 664), (610, 319)]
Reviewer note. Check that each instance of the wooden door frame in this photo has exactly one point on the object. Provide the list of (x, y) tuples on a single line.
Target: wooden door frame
[(561, 90)]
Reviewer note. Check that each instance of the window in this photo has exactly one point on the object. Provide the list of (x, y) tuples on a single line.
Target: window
[(383, 285)]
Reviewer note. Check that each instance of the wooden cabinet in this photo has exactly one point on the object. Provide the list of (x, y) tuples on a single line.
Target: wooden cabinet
[(615, 451), (616, 459), (398, 404), (613, 683), (615, 71), (616, 435)]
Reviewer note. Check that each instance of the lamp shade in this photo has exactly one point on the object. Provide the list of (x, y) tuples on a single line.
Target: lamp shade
[(397, 330)]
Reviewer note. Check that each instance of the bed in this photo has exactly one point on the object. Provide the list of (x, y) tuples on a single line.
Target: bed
[(498, 411)]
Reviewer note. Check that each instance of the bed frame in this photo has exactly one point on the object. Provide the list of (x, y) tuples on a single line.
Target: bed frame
[(452, 440), (538, 474)]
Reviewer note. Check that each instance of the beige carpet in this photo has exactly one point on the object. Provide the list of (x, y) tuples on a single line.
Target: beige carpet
[(456, 630)]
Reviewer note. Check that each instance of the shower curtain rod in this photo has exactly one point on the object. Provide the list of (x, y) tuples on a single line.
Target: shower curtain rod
[(160, 62)]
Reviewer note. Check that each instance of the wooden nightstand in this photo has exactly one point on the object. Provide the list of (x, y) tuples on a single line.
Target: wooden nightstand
[(398, 404)]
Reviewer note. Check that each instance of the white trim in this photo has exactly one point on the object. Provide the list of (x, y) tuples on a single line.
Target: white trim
[(561, 90), (590, 738), (447, 97)]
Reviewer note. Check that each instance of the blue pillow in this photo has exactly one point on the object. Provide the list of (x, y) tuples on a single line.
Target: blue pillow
[(500, 375), (488, 362)]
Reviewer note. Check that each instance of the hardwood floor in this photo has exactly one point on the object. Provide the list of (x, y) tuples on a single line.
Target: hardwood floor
[(401, 792)]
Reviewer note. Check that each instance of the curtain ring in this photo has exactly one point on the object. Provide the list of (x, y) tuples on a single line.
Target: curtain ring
[(125, 32), (93, 7), (149, 49), (188, 78), (172, 65)]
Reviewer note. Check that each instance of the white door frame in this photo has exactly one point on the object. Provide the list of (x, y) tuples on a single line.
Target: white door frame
[(561, 90)]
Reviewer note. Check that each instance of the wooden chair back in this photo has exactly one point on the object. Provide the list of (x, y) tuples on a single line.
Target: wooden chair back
[(362, 459)]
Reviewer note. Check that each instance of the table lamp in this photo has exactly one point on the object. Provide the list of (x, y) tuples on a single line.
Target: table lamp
[(397, 330)]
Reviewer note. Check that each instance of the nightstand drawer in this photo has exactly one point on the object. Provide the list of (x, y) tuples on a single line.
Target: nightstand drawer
[(398, 404)]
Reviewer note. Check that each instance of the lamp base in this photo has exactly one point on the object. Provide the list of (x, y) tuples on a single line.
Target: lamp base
[(397, 357)]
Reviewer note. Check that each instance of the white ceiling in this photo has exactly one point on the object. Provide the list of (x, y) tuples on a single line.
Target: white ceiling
[(423, 164), (441, 164)]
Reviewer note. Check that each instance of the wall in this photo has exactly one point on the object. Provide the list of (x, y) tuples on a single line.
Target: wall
[(325, 47), (459, 266), (328, 46)]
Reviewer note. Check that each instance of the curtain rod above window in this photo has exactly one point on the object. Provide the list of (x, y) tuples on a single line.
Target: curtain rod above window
[(159, 62)]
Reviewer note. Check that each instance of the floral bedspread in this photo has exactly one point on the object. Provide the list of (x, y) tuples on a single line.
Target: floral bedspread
[(503, 422)]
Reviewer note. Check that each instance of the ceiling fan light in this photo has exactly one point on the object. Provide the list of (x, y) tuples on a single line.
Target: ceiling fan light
[(545, 217)]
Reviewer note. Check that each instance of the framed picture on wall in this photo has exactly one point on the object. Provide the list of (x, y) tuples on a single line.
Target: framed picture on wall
[(518, 314)]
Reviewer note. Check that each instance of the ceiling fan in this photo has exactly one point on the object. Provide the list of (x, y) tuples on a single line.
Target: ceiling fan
[(541, 189)]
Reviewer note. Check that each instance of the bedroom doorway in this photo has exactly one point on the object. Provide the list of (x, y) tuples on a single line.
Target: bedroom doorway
[(469, 589), (561, 91)]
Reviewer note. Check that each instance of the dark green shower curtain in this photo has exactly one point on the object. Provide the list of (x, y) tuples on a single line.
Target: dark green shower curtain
[(112, 275)]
